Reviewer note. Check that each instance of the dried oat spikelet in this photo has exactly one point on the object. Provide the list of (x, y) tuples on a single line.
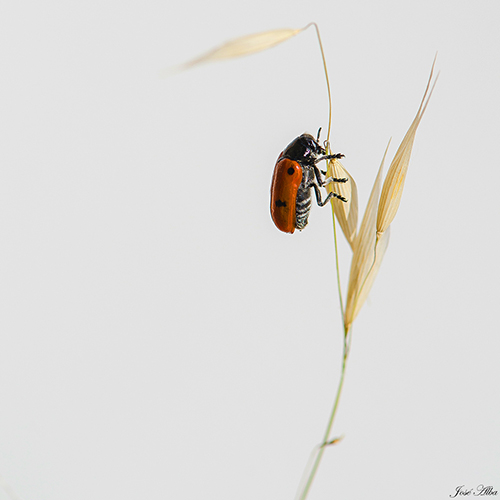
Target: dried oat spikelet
[(367, 256), (238, 47), (346, 212), (373, 236), (394, 182)]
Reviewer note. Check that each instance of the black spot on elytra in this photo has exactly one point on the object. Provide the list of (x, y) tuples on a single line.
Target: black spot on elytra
[(291, 171), (280, 203)]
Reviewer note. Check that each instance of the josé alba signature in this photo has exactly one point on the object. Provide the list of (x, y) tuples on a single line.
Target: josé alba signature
[(479, 491)]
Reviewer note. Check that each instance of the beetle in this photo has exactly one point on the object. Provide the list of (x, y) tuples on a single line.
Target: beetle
[(294, 175)]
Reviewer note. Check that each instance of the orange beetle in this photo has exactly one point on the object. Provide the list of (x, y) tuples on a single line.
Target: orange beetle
[(294, 176)]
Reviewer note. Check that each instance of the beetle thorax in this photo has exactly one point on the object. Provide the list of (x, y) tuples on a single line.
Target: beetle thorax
[(304, 149)]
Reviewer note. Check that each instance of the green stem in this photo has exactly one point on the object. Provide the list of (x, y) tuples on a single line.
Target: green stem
[(317, 461)]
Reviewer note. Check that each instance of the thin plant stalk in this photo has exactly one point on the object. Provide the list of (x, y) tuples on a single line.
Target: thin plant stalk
[(326, 438), (318, 455), (327, 80)]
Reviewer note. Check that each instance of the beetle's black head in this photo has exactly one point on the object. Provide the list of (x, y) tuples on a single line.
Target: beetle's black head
[(304, 149)]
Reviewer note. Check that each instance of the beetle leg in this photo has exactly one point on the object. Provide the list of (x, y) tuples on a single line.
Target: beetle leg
[(334, 179), (328, 198), (336, 156), (321, 181), (317, 173)]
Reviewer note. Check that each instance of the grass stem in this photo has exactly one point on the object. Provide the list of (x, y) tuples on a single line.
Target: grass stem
[(302, 494)]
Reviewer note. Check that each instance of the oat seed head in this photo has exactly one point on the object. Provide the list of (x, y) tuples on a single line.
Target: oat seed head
[(238, 47), (396, 175), (367, 256)]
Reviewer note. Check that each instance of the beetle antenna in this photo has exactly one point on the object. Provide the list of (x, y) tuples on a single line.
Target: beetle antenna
[(319, 132)]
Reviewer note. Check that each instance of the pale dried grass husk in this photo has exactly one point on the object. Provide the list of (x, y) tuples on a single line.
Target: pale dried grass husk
[(346, 212), (238, 47), (379, 247), (396, 175), (367, 256)]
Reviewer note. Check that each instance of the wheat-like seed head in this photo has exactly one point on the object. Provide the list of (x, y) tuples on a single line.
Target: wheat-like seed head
[(396, 175), (373, 237), (367, 257), (238, 47)]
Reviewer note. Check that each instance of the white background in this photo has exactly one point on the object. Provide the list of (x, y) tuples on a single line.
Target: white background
[(160, 338)]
